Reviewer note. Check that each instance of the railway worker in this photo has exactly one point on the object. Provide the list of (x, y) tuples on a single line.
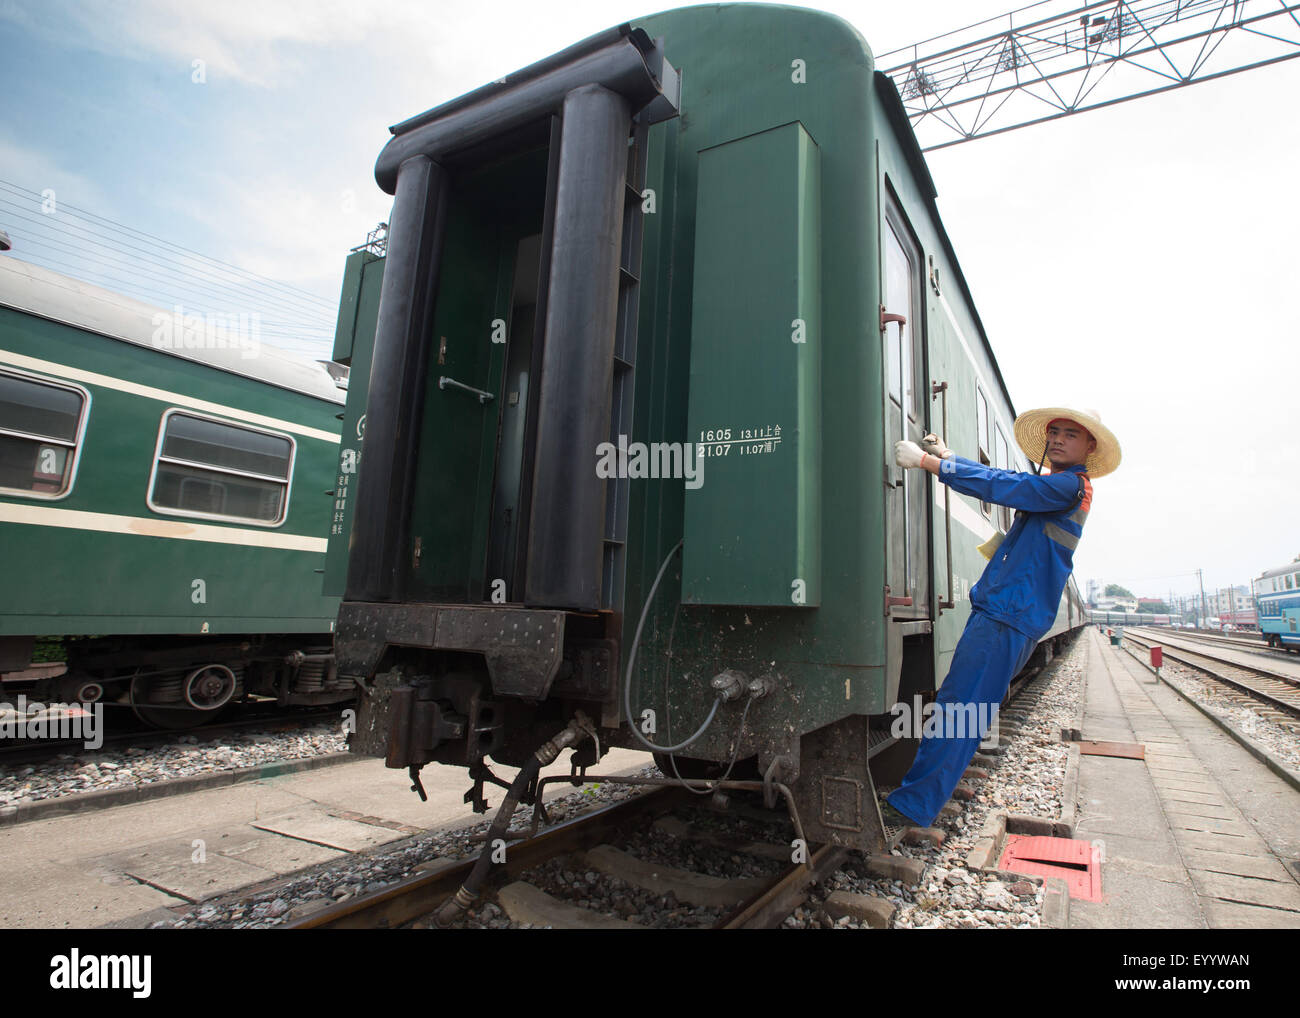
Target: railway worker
[(1016, 599)]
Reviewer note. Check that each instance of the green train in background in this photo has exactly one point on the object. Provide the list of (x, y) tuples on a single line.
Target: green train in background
[(653, 314), (166, 493)]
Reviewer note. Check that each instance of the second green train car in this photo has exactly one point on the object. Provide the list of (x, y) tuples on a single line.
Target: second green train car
[(166, 494)]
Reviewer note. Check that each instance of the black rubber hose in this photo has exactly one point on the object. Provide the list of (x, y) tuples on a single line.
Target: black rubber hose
[(469, 890), (573, 733)]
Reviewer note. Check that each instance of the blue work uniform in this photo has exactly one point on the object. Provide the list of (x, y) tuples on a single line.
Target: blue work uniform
[(1014, 603)]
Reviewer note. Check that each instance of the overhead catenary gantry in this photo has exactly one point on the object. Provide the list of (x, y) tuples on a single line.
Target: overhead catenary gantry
[(1027, 67)]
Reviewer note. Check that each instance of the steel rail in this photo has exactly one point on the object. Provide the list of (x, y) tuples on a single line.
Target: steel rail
[(1290, 680), (769, 908), (1286, 707), (418, 896), (1248, 643), (421, 895)]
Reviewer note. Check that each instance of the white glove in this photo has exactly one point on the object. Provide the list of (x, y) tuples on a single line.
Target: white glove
[(907, 454), (933, 444)]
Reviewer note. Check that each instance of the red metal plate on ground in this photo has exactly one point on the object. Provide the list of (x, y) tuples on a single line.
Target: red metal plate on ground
[(1078, 863), (1127, 750)]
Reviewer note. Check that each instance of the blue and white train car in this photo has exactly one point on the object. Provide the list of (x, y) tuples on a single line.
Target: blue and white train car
[(1277, 599)]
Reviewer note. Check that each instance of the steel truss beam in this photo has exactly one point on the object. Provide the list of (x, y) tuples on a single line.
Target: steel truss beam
[(1023, 68)]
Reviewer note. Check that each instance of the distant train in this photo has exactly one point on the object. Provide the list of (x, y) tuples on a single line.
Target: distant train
[(636, 363), (1111, 618), (1277, 602), (165, 501)]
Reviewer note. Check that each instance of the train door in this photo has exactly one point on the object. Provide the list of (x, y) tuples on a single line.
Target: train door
[(905, 406), (465, 515)]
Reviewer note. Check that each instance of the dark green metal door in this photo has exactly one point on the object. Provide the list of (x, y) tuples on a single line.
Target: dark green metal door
[(907, 530)]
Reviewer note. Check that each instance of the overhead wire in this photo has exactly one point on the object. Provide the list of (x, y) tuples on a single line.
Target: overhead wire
[(112, 261), (164, 273), (179, 252), (295, 339)]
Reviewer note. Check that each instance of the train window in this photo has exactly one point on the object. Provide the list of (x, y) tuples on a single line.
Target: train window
[(899, 292), (215, 470), (1288, 581), (1001, 453), (41, 427)]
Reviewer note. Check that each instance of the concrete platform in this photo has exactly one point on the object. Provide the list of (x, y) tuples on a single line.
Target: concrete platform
[(1197, 835), (84, 870)]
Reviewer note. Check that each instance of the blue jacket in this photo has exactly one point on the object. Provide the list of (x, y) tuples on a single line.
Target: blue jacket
[(1022, 584)]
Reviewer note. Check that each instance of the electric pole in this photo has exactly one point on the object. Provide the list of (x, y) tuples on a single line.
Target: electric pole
[(1201, 581)]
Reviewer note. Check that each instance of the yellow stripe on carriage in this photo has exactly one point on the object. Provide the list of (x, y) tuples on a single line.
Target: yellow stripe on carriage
[(76, 519)]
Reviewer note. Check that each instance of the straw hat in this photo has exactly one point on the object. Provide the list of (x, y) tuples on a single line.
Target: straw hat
[(1031, 434), (991, 545)]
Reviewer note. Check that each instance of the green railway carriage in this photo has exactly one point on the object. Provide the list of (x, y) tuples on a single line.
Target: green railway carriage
[(653, 314), (164, 504)]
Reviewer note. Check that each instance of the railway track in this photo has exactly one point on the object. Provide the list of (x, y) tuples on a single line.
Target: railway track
[(1279, 694), (1248, 644), (521, 884)]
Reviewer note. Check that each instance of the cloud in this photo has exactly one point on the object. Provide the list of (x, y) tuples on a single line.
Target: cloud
[(36, 170), (250, 41), (281, 227)]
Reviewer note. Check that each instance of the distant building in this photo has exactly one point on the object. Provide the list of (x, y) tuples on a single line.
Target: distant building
[(1229, 600)]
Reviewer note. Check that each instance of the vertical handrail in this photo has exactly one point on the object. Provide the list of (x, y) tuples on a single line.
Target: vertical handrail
[(936, 389)]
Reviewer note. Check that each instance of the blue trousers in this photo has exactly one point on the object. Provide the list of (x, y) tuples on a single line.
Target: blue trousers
[(988, 655)]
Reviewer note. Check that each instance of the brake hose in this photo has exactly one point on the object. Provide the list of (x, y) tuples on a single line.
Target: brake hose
[(631, 666)]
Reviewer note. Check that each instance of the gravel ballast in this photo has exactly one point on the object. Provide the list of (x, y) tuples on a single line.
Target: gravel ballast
[(184, 756), (1028, 780), (1279, 740), (372, 871)]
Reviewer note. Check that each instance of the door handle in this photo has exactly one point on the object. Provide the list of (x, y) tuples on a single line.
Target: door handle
[(897, 476), (483, 397), (887, 318)]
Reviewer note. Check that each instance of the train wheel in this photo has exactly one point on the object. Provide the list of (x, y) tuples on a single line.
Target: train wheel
[(172, 703)]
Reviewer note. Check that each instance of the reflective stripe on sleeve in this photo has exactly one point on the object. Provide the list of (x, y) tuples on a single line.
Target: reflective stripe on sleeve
[(1063, 537)]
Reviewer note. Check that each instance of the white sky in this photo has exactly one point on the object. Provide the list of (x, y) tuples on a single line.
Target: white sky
[(1138, 259)]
